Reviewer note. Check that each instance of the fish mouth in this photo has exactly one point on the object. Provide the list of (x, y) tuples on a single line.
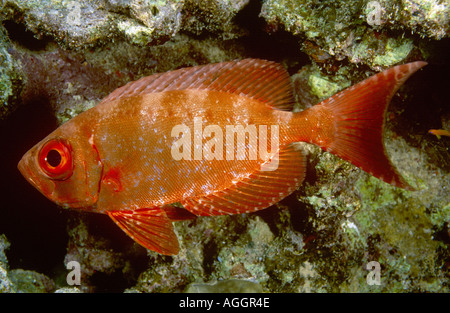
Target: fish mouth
[(24, 169)]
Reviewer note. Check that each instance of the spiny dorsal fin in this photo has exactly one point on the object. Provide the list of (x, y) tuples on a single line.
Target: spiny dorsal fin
[(263, 80), (256, 192)]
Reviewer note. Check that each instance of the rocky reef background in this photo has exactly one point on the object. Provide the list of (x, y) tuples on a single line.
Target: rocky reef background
[(60, 57)]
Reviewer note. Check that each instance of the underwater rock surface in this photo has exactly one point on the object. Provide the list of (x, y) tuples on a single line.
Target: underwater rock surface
[(10, 78), (369, 32), (59, 58)]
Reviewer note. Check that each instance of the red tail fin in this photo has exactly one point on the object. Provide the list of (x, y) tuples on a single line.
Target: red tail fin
[(357, 117)]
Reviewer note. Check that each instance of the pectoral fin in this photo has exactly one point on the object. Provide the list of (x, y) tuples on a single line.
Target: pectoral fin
[(151, 228)]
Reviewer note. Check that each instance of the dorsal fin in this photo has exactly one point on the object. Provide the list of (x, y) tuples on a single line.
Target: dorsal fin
[(263, 80)]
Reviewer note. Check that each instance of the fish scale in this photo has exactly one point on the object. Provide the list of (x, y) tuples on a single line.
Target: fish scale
[(149, 145)]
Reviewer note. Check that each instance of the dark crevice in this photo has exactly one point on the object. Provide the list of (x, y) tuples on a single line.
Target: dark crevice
[(269, 42), (34, 225), (209, 257), (24, 37)]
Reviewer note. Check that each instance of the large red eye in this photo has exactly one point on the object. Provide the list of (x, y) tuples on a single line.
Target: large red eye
[(55, 159)]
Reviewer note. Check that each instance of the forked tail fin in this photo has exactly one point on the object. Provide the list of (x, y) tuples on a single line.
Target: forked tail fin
[(352, 122)]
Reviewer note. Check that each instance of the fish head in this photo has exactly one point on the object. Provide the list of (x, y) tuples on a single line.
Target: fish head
[(65, 167)]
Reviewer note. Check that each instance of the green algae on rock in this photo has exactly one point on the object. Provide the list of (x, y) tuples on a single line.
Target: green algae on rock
[(71, 23), (325, 86), (10, 78), (345, 28), (31, 281), (6, 286), (78, 25), (214, 16), (225, 286)]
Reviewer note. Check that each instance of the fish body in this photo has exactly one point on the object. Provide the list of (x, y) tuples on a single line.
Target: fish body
[(439, 132), (216, 138)]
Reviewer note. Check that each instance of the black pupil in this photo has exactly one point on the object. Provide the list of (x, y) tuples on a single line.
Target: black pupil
[(53, 158)]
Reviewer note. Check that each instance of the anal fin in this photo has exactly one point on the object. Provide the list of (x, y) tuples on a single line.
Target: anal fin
[(256, 192), (151, 228)]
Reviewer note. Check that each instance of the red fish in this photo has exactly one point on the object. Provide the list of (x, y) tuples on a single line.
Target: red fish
[(170, 138)]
